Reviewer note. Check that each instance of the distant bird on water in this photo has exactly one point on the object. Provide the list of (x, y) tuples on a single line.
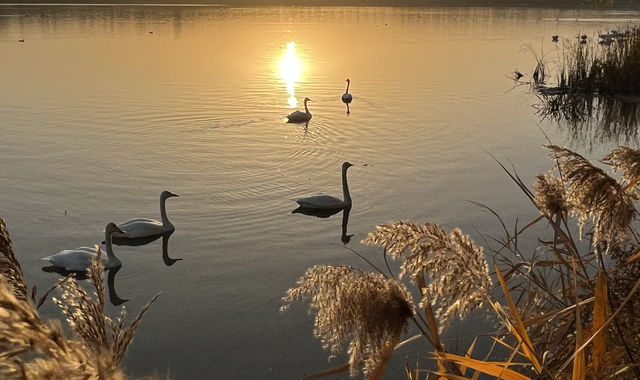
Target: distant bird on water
[(346, 97), (517, 74), (21, 40), (554, 38), (299, 116)]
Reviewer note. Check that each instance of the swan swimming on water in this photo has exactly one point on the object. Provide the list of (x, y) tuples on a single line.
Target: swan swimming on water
[(346, 97), (299, 116), (143, 227), (327, 202), (80, 259)]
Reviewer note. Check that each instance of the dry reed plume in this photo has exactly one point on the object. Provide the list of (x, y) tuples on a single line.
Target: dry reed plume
[(458, 271), (368, 310), (34, 349), (596, 196)]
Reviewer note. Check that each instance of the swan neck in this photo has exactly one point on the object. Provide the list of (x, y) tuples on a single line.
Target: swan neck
[(345, 187), (306, 109), (112, 259), (347, 90), (163, 213)]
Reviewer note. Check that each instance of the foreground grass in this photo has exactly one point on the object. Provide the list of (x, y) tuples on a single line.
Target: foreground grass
[(566, 309), (32, 348)]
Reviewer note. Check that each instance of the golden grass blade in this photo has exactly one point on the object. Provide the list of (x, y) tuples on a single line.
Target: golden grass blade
[(327, 372), (385, 355), (578, 362), (552, 314), (496, 369), (448, 376), (432, 325), (463, 368), (407, 372), (601, 311), (634, 257), (408, 340), (522, 335), (509, 346)]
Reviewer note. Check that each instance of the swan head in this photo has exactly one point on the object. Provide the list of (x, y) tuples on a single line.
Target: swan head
[(348, 80), (346, 165), (307, 100), (111, 228), (167, 194)]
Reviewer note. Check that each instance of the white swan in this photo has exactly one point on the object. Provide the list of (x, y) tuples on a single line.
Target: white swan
[(143, 227), (327, 202), (80, 259), (346, 97), (299, 116)]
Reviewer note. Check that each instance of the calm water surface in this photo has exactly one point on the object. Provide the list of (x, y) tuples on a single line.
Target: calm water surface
[(102, 108)]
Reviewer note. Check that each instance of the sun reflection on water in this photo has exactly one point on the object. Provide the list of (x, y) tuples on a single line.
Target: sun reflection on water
[(290, 71)]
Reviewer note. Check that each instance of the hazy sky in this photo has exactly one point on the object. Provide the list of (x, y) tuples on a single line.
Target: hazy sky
[(517, 3)]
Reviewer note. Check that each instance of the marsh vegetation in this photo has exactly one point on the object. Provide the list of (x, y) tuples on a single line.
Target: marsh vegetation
[(562, 288), (597, 82)]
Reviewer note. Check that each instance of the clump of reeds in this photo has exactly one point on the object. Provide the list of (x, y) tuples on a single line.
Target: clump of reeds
[(31, 348), (596, 83), (606, 68), (564, 310)]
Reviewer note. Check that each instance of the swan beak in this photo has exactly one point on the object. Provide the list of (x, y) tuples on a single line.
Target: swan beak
[(119, 230), (174, 195)]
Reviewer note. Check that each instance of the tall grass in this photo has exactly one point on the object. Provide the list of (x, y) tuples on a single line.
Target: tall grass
[(566, 309), (32, 348), (610, 67)]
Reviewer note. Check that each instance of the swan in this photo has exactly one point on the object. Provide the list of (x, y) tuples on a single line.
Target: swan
[(80, 259), (346, 97), (299, 116), (143, 227), (327, 202)]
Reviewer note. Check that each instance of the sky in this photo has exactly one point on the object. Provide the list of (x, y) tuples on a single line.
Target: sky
[(518, 3)]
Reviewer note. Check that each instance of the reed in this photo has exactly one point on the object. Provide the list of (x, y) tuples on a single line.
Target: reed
[(32, 348), (609, 67), (565, 309)]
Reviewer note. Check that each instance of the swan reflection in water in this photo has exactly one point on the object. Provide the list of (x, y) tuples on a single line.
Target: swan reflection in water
[(111, 279), (135, 242), (319, 213)]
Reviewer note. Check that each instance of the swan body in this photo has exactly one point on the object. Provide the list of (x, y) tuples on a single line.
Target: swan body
[(144, 227), (328, 202), (80, 259), (299, 116), (346, 97)]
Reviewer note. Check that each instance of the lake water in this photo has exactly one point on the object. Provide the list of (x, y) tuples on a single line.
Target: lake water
[(103, 107)]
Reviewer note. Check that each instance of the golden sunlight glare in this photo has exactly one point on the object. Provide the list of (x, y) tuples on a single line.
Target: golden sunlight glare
[(290, 70)]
